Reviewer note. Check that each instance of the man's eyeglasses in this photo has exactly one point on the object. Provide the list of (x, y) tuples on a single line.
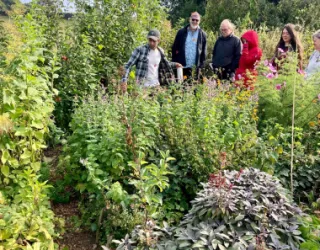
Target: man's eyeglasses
[(195, 20)]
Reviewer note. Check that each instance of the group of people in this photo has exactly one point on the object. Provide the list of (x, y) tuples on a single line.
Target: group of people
[(233, 59)]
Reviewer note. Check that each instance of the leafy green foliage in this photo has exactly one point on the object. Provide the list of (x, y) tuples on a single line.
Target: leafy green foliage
[(113, 135), (241, 209), (4, 38), (117, 156), (98, 40), (27, 222), (26, 105), (261, 12), (306, 172), (148, 180), (248, 209), (181, 9), (276, 94), (7, 5), (310, 232)]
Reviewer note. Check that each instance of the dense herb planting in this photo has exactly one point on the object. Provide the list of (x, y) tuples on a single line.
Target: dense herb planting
[(245, 209)]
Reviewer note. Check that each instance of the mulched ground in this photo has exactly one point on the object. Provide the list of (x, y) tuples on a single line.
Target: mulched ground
[(74, 238)]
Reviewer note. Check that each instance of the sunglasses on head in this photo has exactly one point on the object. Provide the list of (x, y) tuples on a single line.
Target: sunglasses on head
[(195, 20)]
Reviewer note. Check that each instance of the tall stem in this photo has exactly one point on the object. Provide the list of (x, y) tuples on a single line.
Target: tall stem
[(292, 132)]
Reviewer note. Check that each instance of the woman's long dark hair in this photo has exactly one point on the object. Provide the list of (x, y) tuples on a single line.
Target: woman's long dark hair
[(295, 41)]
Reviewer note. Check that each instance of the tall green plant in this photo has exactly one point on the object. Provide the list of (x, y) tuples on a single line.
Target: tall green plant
[(25, 111), (276, 93), (101, 37)]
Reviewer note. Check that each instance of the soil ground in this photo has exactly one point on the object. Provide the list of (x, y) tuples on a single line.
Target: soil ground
[(74, 238)]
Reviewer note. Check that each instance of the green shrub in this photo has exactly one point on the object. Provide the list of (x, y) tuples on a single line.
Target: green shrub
[(245, 209), (109, 131), (27, 221), (277, 89), (310, 229), (306, 171), (97, 41), (26, 105)]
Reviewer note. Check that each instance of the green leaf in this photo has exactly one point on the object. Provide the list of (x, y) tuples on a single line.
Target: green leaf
[(215, 243), (198, 244), (32, 92), (37, 124), (8, 97), (5, 170), (184, 244), (36, 246), (26, 155), (100, 46), (239, 217), (221, 247), (21, 131), (5, 156), (36, 166)]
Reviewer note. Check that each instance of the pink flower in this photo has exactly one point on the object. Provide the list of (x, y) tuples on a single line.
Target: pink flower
[(319, 97), (278, 86), (301, 72), (270, 76), (280, 50), (272, 68), (266, 62), (239, 76)]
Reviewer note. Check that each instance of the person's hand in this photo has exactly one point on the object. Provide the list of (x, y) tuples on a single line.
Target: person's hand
[(178, 65), (123, 87), (244, 41), (283, 54), (232, 77)]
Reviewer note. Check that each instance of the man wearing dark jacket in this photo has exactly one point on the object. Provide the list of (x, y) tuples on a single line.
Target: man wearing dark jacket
[(226, 52), (190, 46)]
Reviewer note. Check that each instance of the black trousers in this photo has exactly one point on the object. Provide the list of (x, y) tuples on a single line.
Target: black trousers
[(224, 73)]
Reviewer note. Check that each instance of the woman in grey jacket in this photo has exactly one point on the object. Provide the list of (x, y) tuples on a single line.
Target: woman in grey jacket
[(314, 61)]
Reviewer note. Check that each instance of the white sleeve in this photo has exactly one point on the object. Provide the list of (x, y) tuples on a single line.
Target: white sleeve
[(309, 64)]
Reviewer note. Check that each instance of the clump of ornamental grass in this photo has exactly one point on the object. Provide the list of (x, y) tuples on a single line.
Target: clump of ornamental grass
[(236, 210)]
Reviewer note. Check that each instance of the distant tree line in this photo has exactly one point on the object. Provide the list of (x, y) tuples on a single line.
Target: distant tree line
[(272, 13)]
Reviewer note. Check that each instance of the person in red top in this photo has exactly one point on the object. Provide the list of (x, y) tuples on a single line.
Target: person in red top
[(246, 74)]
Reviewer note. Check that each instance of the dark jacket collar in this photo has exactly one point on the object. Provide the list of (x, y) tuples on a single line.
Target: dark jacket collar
[(226, 38)]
